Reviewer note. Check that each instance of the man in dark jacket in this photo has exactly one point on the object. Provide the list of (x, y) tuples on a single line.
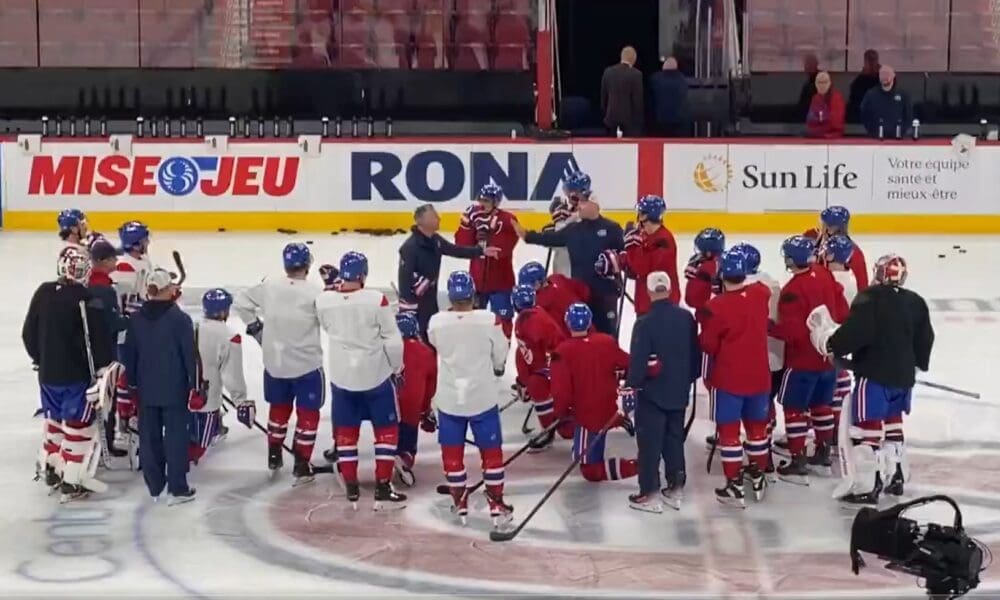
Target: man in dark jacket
[(866, 80), (104, 258), (670, 103), (593, 243), (420, 264), (886, 110), (159, 359), (621, 96), (665, 360)]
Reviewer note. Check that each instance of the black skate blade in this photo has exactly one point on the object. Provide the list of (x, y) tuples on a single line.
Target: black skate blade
[(497, 535), (388, 506), (801, 480), (731, 502), (325, 469), (301, 481)]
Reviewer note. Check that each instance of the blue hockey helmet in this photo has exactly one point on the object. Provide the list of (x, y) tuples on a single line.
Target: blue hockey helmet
[(578, 317), (651, 208), (798, 251), (710, 240), (752, 256), (295, 256), (69, 218), (353, 267), (523, 297), (532, 273), (409, 326), (836, 217), (461, 287), (577, 184), (839, 249), (216, 302), (491, 192), (132, 234), (733, 264)]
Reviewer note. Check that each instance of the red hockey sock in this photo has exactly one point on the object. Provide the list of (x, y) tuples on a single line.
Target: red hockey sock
[(730, 449), (277, 423), (797, 426), (195, 452), (894, 429), (386, 439), (594, 472), (757, 444), (544, 411), (566, 430), (493, 470), (453, 461), (867, 432), (346, 440), (307, 421), (823, 423), (621, 468)]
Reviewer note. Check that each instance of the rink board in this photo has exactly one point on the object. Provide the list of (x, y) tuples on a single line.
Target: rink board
[(314, 184)]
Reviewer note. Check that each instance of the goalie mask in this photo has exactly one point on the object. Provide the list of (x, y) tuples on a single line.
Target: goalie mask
[(890, 270), (73, 265)]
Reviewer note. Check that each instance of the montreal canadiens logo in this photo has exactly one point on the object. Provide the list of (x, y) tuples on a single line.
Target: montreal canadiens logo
[(178, 176)]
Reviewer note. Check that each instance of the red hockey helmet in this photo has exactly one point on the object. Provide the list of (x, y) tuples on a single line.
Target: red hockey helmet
[(890, 270)]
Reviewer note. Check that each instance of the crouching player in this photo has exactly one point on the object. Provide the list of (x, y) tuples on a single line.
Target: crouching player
[(220, 367), (537, 338), (414, 391), (472, 351), (586, 370)]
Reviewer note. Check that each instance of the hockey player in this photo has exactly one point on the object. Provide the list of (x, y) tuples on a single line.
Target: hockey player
[(472, 350), (414, 392), (553, 293), (888, 334), (650, 247), (734, 335), (293, 357), (537, 338), (703, 268), (806, 392), (834, 221), (837, 257), (565, 212), (67, 350), (220, 368), (586, 369), (366, 354), (485, 224)]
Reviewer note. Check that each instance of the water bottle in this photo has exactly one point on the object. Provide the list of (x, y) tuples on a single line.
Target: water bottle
[(260, 127), (154, 128), (86, 127), (881, 130), (58, 126), (276, 128), (140, 126), (199, 127), (232, 126), (103, 125), (388, 126), (183, 126), (166, 127), (371, 127), (325, 128), (899, 129), (354, 127), (916, 129), (338, 126), (246, 126), (72, 127), (45, 125), (982, 128)]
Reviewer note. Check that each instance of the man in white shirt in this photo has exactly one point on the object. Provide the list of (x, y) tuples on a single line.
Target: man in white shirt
[(293, 356), (472, 351), (366, 353)]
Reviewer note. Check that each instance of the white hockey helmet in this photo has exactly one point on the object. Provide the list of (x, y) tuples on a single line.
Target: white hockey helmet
[(73, 265)]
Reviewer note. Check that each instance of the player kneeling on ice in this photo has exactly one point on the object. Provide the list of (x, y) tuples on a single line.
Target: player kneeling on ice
[(293, 356), (888, 335), (220, 364), (366, 354), (415, 390), (734, 336), (472, 351), (63, 336), (665, 362), (586, 370), (159, 359)]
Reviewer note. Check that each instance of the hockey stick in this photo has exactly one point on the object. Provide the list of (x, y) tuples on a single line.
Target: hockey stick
[(510, 403), (505, 536), (525, 428), (180, 267), (694, 409), (445, 489), (938, 386), (256, 424), (548, 262)]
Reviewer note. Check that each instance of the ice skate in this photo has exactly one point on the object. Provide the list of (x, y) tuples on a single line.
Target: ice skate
[(184, 498), (731, 494), (711, 441), (404, 469), (460, 503), (673, 495), (387, 498), (859, 500), (330, 455), (795, 471), (353, 491), (303, 472), (274, 459), (770, 474), (758, 482), (71, 493), (537, 445), (895, 486), (52, 479), (645, 503), (819, 462), (501, 512)]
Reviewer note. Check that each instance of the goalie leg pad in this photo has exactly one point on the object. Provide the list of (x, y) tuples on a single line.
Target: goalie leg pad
[(866, 465), (52, 446), (81, 454)]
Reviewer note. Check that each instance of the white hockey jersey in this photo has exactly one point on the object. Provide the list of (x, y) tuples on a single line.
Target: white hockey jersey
[(291, 339), (129, 279), (847, 281), (775, 347), (470, 346), (220, 352), (365, 344)]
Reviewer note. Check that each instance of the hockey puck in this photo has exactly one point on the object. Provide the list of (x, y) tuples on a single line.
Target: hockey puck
[(940, 255), (955, 247), (962, 250), (221, 229), (287, 231), (309, 241)]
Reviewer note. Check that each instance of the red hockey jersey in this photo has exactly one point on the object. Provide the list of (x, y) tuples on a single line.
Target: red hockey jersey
[(490, 274), (557, 294), (804, 292), (658, 252), (734, 335), (857, 264), (419, 380), (585, 372), (537, 337)]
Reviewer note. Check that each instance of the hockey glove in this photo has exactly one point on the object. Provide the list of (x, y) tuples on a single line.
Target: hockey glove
[(717, 284), (256, 331), (407, 307), (607, 264), (330, 276), (498, 372), (633, 238), (246, 413), (420, 285), (694, 265), (429, 422), (653, 366), (627, 398), (397, 380), (196, 400), (821, 328), (486, 225), (560, 210)]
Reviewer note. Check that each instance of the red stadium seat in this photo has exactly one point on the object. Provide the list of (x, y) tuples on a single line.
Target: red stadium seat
[(472, 37), (513, 38), (395, 6), (432, 37), (355, 56), (477, 7), (357, 6), (516, 7), (354, 29), (391, 56)]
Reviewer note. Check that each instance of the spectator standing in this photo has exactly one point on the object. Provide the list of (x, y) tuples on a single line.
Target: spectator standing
[(866, 80), (886, 106), (810, 66), (826, 111), (670, 101), (621, 96)]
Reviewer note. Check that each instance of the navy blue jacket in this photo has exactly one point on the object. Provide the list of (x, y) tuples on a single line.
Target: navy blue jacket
[(158, 354), (585, 240), (420, 256), (670, 103), (888, 108), (670, 333)]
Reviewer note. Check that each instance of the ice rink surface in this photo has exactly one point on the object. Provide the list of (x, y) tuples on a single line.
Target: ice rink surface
[(248, 535)]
